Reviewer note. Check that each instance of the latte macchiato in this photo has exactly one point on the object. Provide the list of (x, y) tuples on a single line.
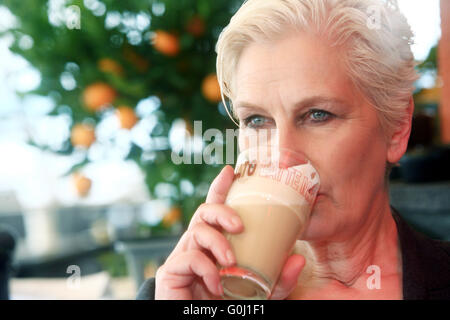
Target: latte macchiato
[(274, 203)]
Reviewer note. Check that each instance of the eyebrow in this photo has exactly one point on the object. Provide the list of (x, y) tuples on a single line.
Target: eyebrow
[(305, 103)]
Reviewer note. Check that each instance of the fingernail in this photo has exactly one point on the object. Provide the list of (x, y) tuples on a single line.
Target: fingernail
[(220, 289), (230, 256), (235, 221)]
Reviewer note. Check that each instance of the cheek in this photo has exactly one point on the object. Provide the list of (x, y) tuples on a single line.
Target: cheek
[(351, 169), (352, 162)]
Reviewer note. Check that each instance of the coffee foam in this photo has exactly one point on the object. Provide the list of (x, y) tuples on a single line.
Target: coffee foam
[(257, 170)]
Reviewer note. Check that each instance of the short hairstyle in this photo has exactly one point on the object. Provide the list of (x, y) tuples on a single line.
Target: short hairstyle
[(375, 37)]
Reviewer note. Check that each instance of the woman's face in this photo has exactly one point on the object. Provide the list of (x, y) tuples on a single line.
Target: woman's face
[(299, 87)]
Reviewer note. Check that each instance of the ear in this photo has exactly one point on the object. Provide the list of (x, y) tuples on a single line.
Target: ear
[(398, 141)]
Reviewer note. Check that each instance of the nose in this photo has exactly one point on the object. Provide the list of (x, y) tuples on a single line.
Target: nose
[(288, 147), (290, 158)]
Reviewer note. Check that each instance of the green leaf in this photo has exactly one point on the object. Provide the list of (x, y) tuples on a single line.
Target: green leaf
[(76, 167)]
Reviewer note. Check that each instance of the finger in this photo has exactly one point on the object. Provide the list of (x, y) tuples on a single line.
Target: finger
[(193, 263), (289, 276), (219, 187), (217, 215), (204, 236)]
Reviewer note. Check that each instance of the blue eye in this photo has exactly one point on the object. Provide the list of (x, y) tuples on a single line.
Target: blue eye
[(319, 115), (255, 121)]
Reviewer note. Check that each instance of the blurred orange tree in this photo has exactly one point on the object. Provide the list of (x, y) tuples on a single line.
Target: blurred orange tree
[(147, 65)]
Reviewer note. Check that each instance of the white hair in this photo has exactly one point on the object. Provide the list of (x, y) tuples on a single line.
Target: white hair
[(375, 37)]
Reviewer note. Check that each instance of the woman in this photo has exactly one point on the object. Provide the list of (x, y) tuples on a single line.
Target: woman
[(335, 79)]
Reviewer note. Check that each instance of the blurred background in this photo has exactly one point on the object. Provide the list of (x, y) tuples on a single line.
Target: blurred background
[(96, 95)]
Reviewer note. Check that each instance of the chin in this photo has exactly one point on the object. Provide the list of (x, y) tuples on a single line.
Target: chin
[(320, 226)]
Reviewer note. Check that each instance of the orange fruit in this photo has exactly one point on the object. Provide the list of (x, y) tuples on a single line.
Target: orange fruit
[(211, 88), (82, 184), (188, 126), (166, 43), (171, 217), (97, 95), (140, 63), (110, 66), (196, 26), (189, 129), (82, 135), (432, 95), (127, 117)]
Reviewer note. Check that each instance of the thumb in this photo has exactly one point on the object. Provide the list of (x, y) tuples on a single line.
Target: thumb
[(289, 276)]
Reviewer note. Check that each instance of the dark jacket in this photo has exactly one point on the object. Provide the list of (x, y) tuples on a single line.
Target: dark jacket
[(426, 266)]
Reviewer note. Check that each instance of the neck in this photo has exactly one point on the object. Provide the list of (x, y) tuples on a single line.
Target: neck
[(344, 262)]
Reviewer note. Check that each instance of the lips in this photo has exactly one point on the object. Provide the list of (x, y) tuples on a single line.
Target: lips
[(320, 196)]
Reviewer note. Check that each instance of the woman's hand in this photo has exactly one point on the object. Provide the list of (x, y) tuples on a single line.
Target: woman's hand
[(190, 271)]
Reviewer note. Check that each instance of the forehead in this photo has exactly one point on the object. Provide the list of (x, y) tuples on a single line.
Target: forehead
[(297, 66)]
